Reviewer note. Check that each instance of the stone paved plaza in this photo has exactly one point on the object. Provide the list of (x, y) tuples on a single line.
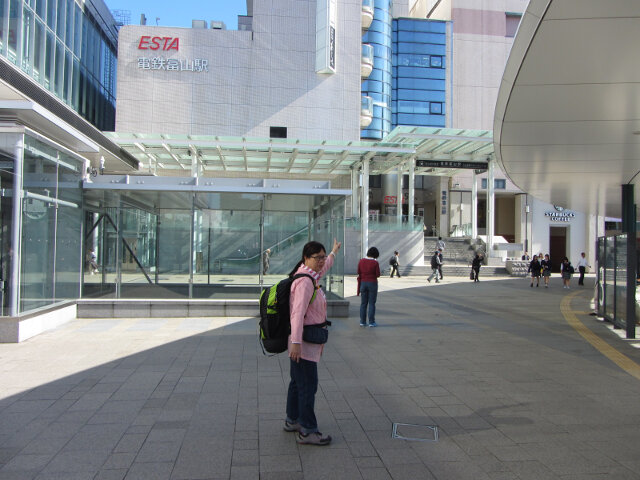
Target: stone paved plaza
[(513, 385)]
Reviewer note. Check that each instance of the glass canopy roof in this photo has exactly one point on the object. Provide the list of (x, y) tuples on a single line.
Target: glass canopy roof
[(441, 149)]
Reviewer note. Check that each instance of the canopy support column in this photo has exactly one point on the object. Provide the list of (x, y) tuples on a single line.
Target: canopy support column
[(364, 210)]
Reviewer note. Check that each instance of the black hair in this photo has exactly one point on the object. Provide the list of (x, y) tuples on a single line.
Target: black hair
[(309, 249), (373, 252), (396, 252)]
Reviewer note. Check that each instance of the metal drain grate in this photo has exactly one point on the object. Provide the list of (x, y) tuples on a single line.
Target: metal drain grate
[(415, 433)]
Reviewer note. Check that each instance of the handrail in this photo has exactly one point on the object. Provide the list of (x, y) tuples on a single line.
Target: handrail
[(273, 248)]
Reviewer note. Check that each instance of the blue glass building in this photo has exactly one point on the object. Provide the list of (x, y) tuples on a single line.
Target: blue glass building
[(378, 84), (419, 67), (70, 49)]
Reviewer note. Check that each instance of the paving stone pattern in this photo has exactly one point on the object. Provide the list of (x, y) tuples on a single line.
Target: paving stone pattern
[(515, 391)]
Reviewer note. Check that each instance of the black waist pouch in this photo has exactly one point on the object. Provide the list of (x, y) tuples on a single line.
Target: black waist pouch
[(316, 333)]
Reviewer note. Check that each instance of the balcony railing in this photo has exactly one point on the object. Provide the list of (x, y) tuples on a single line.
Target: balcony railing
[(389, 223), (366, 63), (366, 111), (367, 13)]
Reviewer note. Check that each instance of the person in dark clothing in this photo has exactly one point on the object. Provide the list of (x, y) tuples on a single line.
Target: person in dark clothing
[(368, 273), (475, 267), (441, 262), (535, 270), (395, 263), (567, 270), (545, 265)]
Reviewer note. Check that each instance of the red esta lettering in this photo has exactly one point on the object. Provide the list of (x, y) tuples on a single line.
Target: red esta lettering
[(158, 43)]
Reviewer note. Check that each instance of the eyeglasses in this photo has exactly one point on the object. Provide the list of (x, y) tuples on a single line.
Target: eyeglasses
[(319, 257)]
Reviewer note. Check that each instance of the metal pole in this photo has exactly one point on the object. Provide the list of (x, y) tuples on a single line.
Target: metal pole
[(399, 195), (16, 231), (364, 211), (412, 190), (629, 227), (490, 207), (355, 201), (192, 250), (262, 249), (474, 206)]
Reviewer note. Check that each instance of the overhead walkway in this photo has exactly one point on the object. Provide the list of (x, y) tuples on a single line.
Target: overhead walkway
[(521, 383)]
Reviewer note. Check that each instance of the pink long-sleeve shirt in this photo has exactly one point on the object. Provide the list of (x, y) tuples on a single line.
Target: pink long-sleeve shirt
[(303, 313)]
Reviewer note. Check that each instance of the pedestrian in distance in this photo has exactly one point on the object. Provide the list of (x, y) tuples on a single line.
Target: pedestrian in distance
[(92, 261), (265, 261), (394, 262), (476, 263), (441, 263), (582, 268), (308, 306), (525, 257), (435, 263), (440, 244), (567, 270), (368, 273), (535, 270), (545, 264)]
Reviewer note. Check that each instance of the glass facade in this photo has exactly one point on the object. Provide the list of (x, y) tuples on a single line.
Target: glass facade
[(60, 45), (419, 71), (378, 84), (49, 251), (612, 278), (204, 245)]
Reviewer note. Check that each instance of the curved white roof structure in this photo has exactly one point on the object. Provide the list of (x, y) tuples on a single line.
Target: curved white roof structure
[(567, 120)]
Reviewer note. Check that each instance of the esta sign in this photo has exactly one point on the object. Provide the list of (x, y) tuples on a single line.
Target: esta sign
[(148, 42)]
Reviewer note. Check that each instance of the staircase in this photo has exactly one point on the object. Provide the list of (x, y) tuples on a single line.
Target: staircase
[(457, 256)]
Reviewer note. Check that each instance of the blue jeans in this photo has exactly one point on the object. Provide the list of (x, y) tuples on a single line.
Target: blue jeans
[(301, 396), (368, 296)]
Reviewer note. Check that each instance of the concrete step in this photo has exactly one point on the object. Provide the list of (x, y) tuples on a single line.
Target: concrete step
[(452, 271)]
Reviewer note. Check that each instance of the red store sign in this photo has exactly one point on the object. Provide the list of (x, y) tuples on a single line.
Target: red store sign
[(148, 42)]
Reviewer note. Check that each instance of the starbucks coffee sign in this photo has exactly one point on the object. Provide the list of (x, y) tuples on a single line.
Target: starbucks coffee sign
[(560, 214)]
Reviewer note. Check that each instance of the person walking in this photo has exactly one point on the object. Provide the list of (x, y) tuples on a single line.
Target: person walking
[(567, 270), (476, 263), (265, 261), (394, 261), (368, 273), (308, 306), (582, 268), (440, 244), (525, 257), (441, 263), (435, 263), (534, 268), (545, 265)]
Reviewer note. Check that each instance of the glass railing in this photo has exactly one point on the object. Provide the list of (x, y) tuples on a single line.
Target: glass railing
[(367, 53), (389, 223), (367, 13), (366, 106), (367, 6)]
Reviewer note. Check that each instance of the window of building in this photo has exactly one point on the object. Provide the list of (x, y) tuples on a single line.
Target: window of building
[(375, 181), (435, 108), (512, 21), (498, 183), (436, 61), (277, 132)]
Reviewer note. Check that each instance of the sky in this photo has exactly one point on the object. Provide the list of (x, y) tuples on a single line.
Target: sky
[(180, 13)]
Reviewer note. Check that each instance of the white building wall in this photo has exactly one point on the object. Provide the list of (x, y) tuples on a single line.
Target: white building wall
[(255, 80), (580, 232)]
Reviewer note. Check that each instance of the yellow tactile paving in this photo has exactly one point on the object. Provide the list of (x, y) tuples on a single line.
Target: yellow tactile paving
[(624, 362)]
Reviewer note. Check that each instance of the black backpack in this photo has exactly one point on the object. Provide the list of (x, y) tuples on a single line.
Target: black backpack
[(275, 315), (392, 260), (434, 261)]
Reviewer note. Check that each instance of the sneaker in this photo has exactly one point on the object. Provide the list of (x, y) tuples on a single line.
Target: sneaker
[(532, 285), (429, 280), (374, 324), (291, 427), (546, 286), (315, 438), (363, 324)]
